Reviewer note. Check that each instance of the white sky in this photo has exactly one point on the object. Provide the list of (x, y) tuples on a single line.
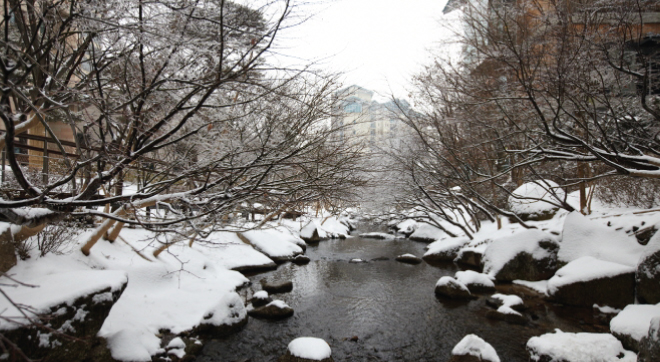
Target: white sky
[(377, 44)]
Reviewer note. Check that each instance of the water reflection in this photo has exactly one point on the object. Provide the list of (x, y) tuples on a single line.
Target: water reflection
[(389, 306)]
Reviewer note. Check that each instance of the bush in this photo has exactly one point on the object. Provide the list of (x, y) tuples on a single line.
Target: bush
[(629, 191), (54, 238)]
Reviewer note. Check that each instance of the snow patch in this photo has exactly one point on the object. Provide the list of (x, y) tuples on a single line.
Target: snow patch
[(315, 349), (474, 346), (582, 347)]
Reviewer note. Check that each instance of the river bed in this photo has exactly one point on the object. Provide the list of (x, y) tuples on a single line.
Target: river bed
[(381, 310)]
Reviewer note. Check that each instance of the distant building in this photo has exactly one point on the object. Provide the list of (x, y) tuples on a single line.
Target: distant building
[(359, 118)]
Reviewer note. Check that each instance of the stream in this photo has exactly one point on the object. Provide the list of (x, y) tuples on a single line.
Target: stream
[(381, 310)]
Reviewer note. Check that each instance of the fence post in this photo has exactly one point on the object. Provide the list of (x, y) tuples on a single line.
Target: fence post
[(44, 170)]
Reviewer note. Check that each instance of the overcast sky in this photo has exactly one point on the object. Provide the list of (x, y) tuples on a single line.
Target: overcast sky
[(377, 44)]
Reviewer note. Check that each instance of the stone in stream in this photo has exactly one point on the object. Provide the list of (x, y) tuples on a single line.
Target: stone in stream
[(277, 287), (408, 259), (301, 260), (577, 347), (649, 347), (473, 349), (307, 349), (260, 299), (451, 288), (276, 309)]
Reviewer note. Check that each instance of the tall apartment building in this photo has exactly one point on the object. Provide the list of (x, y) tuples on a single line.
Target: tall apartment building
[(360, 118)]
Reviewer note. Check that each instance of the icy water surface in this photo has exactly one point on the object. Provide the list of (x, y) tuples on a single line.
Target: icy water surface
[(389, 306)]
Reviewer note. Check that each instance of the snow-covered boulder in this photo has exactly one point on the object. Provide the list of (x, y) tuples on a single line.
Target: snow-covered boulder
[(260, 298), (587, 281), (406, 227), (408, 259), (225, 317), (307, 349), (301, 259), (649, 348), (648, 278), (444, 250), (276, 309), (472, 253), (278, 245), (527, 255), (532, 200), (632, 324), (328, 228), (75, 303), (451, 288), (476, 282), (426, 233), (508, 308), (582, 236), (473, 349), (577, 347)]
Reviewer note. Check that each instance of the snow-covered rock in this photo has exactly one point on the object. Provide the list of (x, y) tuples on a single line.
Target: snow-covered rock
[(508, 308), (585, 237), (260, 298), (276, 309), (632, 324), (472, 253), (451, 288), (445, 250), (406, 227), (476, 282), (225, 317), (527, 255), (649, 348), (328, 228), (578, 347), (532, 200), (426, 233), (377, 235), (278, 245), (307, 349), (587, 281), (408, 259), (472, 345)]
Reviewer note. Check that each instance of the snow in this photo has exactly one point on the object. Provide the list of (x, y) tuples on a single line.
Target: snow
[(176, 343), (475, 346), (469, 277), (446, 245), (606, 309), (476, 246), (278, 303), (407, 226), (227, 250), (228, 311), (502, 250), (584, 269), (535, 197), (578, 347), (377, 235), (634, 320), (426, 231), (330, 227), (585, 237), (508, 301), (274, 243), (262, 294), (540, 286), (447, 280), (407, 256), (312, 348), (55, 284)]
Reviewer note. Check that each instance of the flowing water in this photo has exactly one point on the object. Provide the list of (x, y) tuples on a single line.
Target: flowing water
[(388, 306)]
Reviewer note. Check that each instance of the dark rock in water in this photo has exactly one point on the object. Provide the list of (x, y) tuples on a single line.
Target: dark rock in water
[(380, 258), (451, 288), (647, 277), (81, 318), (274, 310), (649, 346), (301, 260), (408, 259), (277, 287)]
